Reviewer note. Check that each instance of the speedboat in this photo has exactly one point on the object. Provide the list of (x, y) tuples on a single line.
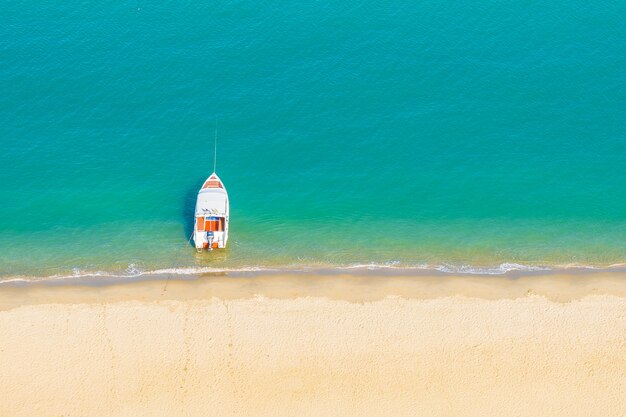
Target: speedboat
[(211, 215)]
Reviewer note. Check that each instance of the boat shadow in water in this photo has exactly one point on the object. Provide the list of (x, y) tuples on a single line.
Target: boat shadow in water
[(189, 206)]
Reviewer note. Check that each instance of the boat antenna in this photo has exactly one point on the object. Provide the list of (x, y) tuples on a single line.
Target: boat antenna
[(215, 148)]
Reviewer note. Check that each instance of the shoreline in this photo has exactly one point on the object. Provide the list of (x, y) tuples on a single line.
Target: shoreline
[(510, 270), (359, 287)]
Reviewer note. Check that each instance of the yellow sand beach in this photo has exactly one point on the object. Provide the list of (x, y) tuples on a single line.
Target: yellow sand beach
[(317, 345)]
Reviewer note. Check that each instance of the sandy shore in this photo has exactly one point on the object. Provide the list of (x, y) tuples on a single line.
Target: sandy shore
[(313, 345)]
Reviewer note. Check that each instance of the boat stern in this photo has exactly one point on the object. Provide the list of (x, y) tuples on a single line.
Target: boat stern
[(210, 232)]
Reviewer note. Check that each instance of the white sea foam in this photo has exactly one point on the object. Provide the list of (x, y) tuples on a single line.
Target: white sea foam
[(134, 271), (452, 269), (205, 270), (496, 270)]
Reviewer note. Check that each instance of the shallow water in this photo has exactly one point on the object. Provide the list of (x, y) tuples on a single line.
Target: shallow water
[(466, 136)]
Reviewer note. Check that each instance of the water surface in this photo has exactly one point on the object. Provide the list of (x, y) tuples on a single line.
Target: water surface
[(413, 134)]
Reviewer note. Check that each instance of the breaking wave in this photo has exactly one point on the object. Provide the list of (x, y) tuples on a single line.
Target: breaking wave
[(134, 271)]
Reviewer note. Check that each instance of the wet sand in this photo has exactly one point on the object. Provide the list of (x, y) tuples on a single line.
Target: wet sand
[(312, 344)]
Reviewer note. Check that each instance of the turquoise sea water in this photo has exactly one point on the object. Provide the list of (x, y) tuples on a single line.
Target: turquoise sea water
[(451, 135)]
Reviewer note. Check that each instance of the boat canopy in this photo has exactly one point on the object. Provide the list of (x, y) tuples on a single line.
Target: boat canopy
[(212, 202)]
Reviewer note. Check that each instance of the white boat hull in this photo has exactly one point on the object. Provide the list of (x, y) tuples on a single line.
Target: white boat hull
[(211, 215)]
